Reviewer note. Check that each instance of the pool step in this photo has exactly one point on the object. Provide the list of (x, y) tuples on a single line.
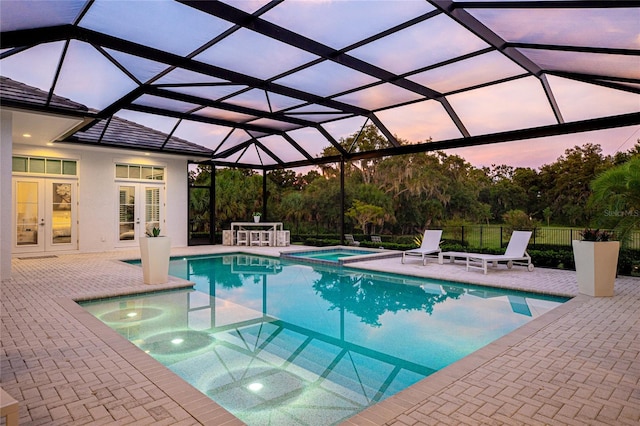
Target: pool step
[(323, 364)]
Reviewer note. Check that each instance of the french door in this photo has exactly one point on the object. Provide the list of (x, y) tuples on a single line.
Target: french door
[(140, 209), (44, 214)]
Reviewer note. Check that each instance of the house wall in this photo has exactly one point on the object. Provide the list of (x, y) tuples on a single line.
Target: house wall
[(5, 188), (98, 196)]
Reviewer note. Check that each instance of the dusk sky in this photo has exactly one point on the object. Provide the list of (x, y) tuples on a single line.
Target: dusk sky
[(538, 152), (478, 89)]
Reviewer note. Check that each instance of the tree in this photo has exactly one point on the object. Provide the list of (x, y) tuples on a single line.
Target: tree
[(566, 182), (622, 157), (364, 214), (199, 210), (504, 193), (547, 215), (616, 196), (529, 180), (304, 180), (465, 183), (368, 139), (319, 202), (238, 194), (291, 208), (284, 179)]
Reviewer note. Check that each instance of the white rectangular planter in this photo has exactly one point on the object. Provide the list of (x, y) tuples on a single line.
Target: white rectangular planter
[(155, 253), (596, 266)]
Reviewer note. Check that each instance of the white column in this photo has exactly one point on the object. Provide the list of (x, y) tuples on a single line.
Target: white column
[(6, 148)]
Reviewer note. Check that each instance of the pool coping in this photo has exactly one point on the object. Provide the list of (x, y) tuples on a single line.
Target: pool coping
[(581, 368), (399, 403), (374, 254), (208, 412), (197, 404)]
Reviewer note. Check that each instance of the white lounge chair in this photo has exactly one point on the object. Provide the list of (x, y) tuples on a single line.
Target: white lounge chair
[(377, 240), (350, 240), (516, 254), (430, 245)]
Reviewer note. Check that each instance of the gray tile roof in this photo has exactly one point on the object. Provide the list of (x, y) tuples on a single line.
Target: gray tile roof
[(11, 90), (120, 133), (126, 134)]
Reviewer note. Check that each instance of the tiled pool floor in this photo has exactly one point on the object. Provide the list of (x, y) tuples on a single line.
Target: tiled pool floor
[(579, 364)]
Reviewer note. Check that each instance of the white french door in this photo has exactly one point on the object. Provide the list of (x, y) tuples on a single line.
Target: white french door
[(44, 214), (140, 209)]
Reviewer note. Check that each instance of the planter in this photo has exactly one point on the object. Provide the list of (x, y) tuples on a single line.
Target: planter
[(155, 253), (596, 266), (256, 219)]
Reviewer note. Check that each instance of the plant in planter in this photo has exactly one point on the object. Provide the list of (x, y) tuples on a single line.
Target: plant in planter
[(155, 251), (596, 258), (595, 235), (615, 200), (256, 216)]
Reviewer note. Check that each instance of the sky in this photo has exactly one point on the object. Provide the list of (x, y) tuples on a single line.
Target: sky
[(88, 74), (535, 153)]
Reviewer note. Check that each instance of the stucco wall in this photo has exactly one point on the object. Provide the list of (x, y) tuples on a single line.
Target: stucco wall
[(98, 196), (5, 190)]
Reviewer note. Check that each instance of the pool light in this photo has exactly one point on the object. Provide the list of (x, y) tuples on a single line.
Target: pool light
[(132, 314), (177, 341)]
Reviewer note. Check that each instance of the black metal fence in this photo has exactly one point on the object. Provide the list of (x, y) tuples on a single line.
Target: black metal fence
[(487, 236)]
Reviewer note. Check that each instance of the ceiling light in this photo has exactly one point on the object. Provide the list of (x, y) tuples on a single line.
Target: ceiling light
[(49, 143), (255, 387), (26, 135)]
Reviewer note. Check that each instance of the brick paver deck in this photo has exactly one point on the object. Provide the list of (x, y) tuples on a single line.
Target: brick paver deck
[(578, 364)]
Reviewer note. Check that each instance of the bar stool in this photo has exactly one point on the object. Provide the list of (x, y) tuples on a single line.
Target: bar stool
[(283, 238), (265, 238), (254, 238), (243, 238)]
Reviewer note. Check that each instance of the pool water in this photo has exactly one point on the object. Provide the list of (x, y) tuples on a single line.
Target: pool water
[(276, 342), (333, 256), (337, 255)]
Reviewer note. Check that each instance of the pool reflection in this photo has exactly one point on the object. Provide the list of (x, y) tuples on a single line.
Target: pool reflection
[(274, 341)]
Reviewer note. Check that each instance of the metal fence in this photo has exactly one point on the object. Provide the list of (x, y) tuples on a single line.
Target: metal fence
[(487, 236)]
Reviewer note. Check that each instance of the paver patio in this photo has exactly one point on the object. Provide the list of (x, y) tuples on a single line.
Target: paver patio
[(578, 364)]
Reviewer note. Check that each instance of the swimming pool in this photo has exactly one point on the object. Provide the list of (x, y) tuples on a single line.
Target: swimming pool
[(338, 255), (277, 342)]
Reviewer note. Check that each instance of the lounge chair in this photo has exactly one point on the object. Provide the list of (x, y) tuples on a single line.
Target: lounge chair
[(430, 245), (377, 240), (516, 254), (350, 240)]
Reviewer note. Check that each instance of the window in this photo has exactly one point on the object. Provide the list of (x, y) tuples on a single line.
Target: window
[(138, 172), (48, 166)]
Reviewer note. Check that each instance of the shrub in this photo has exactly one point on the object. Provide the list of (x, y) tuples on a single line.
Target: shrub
[(628, 261), (516, 220)]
